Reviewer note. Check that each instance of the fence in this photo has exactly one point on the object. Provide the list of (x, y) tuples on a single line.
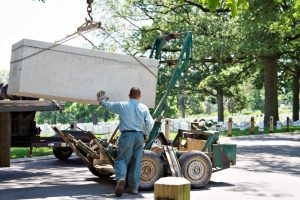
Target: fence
[(175, 124), (101, 127)]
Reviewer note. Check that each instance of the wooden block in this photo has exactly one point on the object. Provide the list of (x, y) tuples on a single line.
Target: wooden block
[(195, 144), (75, 74), (175, 188)]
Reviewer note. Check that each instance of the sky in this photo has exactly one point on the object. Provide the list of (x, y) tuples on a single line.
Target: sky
[(31, 19)]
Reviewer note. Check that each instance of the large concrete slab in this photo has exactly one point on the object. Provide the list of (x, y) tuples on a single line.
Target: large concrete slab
[(75, 74)]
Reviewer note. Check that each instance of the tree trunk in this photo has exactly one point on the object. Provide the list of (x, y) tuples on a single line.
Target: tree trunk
[(208, 108), (296, 95), (271, 93), (182, 106), (220, 106)]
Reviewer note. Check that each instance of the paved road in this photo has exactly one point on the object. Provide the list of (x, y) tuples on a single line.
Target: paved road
[(268, 167)]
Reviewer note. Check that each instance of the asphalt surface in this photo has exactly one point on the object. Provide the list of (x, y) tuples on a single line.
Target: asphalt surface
[(268, 167)]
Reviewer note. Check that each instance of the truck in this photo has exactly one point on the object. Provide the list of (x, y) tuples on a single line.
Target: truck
[(18, 114)]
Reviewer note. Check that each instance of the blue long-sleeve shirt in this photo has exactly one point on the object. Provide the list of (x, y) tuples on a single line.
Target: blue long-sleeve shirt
[(133, 115)]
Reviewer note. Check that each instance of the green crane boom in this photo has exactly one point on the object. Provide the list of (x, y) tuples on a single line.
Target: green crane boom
[(181, 63)]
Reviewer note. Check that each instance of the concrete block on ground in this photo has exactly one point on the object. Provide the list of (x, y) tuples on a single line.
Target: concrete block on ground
[(75, 74)]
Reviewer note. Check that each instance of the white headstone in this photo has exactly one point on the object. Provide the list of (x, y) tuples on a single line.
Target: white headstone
[(75, 74)]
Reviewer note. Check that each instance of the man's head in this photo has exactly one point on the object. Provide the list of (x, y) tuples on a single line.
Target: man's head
[(135, 93)]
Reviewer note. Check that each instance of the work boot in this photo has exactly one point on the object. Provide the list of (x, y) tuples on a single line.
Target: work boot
[(120, 187), (131, 191)]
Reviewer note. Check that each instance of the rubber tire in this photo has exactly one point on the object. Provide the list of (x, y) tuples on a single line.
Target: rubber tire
[(92, 169), (199, 159), (155, 170), (62, 153)]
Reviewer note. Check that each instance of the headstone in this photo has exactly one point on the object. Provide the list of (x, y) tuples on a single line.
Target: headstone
[(75, 74), (261, 126), (278, 125)]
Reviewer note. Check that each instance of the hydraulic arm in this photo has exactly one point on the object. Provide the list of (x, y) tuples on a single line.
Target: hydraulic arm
[(181, 63)]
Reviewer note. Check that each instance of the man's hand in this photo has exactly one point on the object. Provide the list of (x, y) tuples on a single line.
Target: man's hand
[(146, 137), (101, 95)]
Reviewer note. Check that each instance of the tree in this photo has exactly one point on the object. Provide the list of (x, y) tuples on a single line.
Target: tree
[(271, 31), (4, 75), (74, 112), (224, 84), (216, 39), (289, 75), (260, 36)]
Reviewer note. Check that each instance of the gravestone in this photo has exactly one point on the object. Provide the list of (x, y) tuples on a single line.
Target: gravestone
[(75, 74)]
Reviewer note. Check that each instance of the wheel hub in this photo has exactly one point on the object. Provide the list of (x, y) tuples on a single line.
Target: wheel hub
[(195, 170), (148, 170)]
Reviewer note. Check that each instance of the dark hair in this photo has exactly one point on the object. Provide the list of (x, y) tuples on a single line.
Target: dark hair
[(135, 92)]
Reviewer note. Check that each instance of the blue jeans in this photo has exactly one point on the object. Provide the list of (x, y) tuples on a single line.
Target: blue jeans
[(129, 157)]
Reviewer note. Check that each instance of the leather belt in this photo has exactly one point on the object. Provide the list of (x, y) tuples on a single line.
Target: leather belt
[(129, 131)]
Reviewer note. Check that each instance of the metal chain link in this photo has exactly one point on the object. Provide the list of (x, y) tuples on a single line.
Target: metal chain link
[(89, 9)]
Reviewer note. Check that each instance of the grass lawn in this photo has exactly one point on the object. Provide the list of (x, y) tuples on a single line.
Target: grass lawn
[(238, 132), (23, 152)]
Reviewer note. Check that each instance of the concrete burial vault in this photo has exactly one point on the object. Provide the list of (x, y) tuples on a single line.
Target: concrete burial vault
[(75, 74)]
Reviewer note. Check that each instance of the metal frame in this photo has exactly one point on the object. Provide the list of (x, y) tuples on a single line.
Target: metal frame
[(181, 63), (28, 105)]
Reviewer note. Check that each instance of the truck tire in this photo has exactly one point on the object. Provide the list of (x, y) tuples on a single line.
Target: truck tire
[(151, 170), (62, 153), (100, 173), (196, 167)]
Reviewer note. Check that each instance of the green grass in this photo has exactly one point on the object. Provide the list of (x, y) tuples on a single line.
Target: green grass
[(23, 152), (238, 132)]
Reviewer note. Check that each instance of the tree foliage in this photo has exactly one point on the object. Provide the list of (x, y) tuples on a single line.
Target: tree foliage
[(4, 75), (232, 40), (227, 50), (75, 112)]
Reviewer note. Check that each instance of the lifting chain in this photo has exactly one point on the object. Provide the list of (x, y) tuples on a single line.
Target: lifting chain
[(88, 26), (89, 23), (89, 9)]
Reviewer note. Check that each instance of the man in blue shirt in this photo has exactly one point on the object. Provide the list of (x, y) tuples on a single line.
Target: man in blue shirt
[(135, 126)]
